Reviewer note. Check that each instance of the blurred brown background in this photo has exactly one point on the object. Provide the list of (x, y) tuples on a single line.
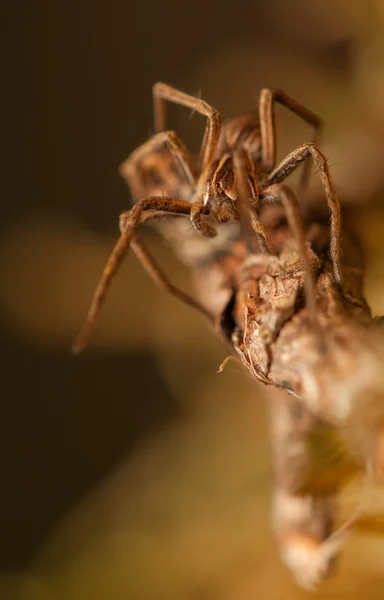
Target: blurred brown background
[(185, 514)]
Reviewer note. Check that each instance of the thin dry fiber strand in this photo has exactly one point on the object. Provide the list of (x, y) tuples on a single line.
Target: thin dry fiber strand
[(286, 297)]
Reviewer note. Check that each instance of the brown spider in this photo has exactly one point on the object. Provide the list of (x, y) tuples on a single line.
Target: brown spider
[(233, 177)]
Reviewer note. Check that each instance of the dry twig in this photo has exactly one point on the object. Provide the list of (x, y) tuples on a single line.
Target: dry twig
[(285, 295)]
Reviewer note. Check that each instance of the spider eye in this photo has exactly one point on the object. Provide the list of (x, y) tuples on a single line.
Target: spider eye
[(217, 185)]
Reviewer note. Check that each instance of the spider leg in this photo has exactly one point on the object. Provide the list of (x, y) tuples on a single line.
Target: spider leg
[(163, 93), (289, 164), (197, 210), (131, 168), (161, 279), (267, 100), (129, 223), (282, 193), (249, 214)]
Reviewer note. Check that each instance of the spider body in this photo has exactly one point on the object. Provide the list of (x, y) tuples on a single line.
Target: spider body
[(238, 137), (234, 176)]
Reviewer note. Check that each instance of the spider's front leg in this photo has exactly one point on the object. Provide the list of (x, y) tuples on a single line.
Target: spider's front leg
[(267, 100), (129, 222), (163, 93), (132, 168), (289, 164)]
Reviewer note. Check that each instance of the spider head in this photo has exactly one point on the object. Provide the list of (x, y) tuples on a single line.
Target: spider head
[(220, 192)]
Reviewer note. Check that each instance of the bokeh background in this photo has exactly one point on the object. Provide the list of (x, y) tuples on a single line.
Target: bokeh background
[(135, 470)]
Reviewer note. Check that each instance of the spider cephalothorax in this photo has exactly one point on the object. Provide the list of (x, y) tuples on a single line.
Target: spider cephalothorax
[(220, 190)]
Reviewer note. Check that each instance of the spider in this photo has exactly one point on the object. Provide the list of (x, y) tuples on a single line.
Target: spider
[(235, 174)]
